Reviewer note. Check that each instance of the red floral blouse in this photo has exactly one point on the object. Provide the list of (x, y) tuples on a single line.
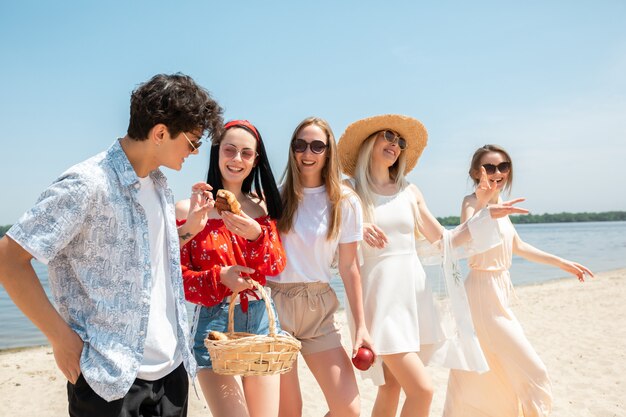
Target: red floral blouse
[(203, 257)]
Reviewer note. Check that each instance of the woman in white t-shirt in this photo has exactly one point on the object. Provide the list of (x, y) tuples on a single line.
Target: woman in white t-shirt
[(321, 218)]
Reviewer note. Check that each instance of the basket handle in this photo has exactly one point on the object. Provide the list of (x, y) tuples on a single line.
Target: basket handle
[(268, 307)]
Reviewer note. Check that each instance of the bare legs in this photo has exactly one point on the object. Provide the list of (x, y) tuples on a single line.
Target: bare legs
[(290, 395), (388, 396), (407, 372), (225, 397), (333, 371)]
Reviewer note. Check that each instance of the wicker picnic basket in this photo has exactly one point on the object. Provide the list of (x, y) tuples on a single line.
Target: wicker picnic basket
[(249, 354)]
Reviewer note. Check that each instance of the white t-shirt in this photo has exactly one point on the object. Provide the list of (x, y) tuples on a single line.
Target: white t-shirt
[(161, 352), (309, 253)]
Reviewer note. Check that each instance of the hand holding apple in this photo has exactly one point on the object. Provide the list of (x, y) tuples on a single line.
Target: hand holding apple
[(363, 359)]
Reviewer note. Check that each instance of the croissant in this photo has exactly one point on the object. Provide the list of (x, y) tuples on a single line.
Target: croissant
[(226, 201), (215, 335)]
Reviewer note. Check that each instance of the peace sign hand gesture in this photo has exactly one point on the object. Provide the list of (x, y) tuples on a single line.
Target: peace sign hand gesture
[(485, 190)]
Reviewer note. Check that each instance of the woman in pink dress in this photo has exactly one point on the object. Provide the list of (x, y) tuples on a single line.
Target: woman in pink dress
[(517, 382)]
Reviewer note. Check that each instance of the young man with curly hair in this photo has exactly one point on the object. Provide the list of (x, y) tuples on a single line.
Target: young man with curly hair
[(106, 230)]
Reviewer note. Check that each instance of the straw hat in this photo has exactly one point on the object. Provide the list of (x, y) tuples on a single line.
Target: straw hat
[(412, 130)]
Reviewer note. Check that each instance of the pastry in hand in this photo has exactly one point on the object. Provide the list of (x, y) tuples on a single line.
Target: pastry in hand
[(215, 335), (226, 201)]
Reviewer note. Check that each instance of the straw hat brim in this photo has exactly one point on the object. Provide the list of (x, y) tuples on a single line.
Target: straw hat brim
[(412, 130)]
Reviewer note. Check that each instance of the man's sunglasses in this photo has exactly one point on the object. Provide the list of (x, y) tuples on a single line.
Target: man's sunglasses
[(502, 167), (391, 137), (300, 145), (195, 144)]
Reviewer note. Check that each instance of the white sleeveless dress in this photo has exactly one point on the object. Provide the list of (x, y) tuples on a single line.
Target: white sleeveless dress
[(400, 312)]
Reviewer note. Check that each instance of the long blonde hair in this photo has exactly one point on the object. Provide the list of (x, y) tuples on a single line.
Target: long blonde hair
[(363, 177), (291, 192)]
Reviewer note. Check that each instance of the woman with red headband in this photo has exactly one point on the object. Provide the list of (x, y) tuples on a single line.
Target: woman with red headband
[(224, 255)]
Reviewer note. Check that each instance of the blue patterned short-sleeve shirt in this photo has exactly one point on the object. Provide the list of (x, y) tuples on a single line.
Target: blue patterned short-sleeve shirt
[(91, 231)]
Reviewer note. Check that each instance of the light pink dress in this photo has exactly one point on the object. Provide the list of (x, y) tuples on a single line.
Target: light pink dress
[(517, 383)]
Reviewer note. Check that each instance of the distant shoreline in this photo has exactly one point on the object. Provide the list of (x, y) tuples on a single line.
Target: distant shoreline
[(547, 218)]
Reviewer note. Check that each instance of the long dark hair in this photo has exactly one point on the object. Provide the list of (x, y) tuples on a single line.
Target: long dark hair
[(261, 176)]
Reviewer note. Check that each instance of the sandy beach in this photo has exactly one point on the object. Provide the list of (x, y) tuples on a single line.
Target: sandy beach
[(578, 330)]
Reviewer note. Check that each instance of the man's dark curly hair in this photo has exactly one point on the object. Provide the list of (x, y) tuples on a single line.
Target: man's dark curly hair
[(177, 102)]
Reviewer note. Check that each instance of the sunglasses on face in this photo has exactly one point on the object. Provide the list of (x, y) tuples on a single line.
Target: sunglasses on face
[(300, 145), (391, 137), (194, 144), (502, 167), (231, 152)]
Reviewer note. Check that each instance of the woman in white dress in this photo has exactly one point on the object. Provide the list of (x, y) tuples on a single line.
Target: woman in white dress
[(377, 153), (517, 383), (321, 219)]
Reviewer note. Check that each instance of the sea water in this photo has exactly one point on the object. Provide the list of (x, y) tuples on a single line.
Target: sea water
[(601, 246)]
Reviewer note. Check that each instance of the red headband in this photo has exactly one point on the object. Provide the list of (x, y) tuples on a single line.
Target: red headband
[(243, 123)]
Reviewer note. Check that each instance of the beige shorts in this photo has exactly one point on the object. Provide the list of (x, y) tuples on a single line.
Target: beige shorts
[(307, 311)]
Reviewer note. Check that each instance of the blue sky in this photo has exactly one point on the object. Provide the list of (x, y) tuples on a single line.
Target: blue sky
[(546, 80)]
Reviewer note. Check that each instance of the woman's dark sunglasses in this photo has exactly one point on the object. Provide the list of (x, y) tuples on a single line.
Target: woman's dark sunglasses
[(392, 137), (300, 145), (502, 167)]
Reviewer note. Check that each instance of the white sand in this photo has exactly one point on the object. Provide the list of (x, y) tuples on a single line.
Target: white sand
[(578, 329)]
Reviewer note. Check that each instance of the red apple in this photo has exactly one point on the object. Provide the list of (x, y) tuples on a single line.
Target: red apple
[(364, 359)]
